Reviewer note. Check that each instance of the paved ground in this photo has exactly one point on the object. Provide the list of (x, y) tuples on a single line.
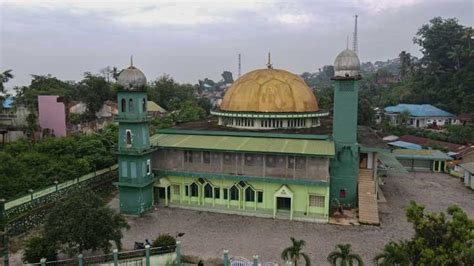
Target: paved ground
[(208, 234)]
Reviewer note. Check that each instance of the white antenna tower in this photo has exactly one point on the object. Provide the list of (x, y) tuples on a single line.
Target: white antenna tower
[(240, 67), (354, 41)]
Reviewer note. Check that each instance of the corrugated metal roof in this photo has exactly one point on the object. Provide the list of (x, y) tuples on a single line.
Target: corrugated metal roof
[(418, 110), (468, 167), (8, 103), (245, 144), (420, 154), (151, 106), (405, 145), (389, 160)]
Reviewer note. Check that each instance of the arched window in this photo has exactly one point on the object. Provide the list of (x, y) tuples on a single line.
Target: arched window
[(249, 194), (194, 190), (234, 193), (128, 137), (123, 105), (208, 191), (144, 105), (130, 105)]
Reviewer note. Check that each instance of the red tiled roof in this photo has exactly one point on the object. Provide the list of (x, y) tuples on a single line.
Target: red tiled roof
[(429, 142)]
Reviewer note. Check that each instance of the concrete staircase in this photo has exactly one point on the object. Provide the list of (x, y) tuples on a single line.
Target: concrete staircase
[(368, 208)]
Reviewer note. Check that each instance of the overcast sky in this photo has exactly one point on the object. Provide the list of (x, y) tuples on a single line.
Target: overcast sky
[(191, 40)]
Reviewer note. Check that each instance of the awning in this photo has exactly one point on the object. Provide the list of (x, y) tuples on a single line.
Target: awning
[(393, 165)]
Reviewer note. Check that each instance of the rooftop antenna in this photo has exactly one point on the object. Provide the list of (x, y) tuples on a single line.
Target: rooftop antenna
[(240, 66), (347, 42), (131, 60), (269, 63), (354, 41)]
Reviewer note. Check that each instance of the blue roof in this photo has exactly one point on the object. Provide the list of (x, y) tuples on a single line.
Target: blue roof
[(418, 110), (405, 145), (8, 103)]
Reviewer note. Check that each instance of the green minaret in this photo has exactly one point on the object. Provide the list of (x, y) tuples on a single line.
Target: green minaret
[(134, 149), (345, 165)]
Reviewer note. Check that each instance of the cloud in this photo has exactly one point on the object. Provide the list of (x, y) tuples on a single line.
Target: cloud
[(378, 6)]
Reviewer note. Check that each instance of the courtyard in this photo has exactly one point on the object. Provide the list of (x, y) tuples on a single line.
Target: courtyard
[(208, 234)]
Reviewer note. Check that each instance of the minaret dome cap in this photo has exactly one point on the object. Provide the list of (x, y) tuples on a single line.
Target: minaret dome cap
[(132, 78), (347, 65)]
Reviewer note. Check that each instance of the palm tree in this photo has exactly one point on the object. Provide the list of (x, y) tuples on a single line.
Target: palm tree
[(294, 252), (4, 77), (343, 256), (392, 254)]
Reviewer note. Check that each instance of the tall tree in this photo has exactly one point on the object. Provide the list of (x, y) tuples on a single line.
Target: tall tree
[(94, 91), (343, 256), (295, 252), (4, 78)]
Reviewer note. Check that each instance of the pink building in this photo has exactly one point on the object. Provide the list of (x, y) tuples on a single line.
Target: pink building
[(52, 114)]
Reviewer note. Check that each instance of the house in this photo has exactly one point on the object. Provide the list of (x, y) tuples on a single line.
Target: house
[(154, 109), (452, 148), (468, 174), (422, 160), (465, 119), (52, 115), (405, 145), (419, 115)]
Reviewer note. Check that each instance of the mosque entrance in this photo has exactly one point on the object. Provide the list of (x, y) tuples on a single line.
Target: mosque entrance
[(283, 204)]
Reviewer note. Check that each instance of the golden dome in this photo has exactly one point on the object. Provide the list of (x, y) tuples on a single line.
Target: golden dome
[(269, 90)]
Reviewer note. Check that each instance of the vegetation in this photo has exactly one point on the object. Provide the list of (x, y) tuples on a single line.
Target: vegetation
[(26, 165), (5, 76), (453, 133), (295, 252), (343, 256), (164, 240), (38, 247), (84, 222), (438, 239)]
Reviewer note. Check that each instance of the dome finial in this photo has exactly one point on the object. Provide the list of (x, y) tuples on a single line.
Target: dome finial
[(269, 63), (131, 60)]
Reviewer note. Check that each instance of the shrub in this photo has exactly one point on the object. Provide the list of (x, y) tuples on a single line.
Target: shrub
[(164, 240), (38, 247)]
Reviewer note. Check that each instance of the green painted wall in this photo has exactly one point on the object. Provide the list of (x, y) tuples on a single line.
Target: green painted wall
[(300, 201), (345, 165), (135, 188)]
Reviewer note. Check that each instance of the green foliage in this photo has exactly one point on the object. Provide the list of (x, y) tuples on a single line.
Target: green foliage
[(5, 76), (438, 240), (295, 252), (84, 222), (160, 123), (343, 256), (452, 133), (227, 77), (26, 165), (188, 111), (94, 91), (164, 240), (38, 247), (169, 94)]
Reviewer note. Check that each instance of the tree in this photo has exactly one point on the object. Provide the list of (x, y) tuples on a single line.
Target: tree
[(37, 247), (295, 252), (393, 254), (438, 239), (94, 91), (343, 256), (5, 77), (227, 76), (84, 222)]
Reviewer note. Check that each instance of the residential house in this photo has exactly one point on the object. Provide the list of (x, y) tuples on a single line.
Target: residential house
[(419, 115)]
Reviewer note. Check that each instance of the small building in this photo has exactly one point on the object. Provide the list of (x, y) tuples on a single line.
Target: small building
[(52, 115), (468, 174), (422, 160), (419, 115), (433, 144), (405, 145), (154, 109), (465, 119)]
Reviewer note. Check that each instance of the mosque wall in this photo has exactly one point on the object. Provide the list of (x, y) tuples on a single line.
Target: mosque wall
[(249, 164)]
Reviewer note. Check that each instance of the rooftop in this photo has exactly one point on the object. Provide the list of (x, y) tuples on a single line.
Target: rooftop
[(425, 142), (420, 154), (468, 167), (253, 144), (419, 110), (405, 145)]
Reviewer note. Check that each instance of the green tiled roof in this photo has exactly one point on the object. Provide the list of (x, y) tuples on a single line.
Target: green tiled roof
[(245, 144), (421, 154)]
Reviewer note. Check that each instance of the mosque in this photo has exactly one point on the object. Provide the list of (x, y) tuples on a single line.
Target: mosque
[(269, 151)]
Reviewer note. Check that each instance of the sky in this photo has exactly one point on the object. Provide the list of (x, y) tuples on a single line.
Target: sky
[(191, 40)]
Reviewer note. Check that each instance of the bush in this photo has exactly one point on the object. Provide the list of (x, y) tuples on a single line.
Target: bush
[(165, 240), (38, 247)]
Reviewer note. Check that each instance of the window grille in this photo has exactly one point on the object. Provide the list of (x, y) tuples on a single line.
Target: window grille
[(316, 201)]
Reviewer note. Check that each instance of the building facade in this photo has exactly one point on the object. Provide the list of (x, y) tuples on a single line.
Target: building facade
[(268, 154), (418, 115)]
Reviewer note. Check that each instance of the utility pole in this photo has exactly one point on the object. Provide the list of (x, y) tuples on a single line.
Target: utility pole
[(354, 41)]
